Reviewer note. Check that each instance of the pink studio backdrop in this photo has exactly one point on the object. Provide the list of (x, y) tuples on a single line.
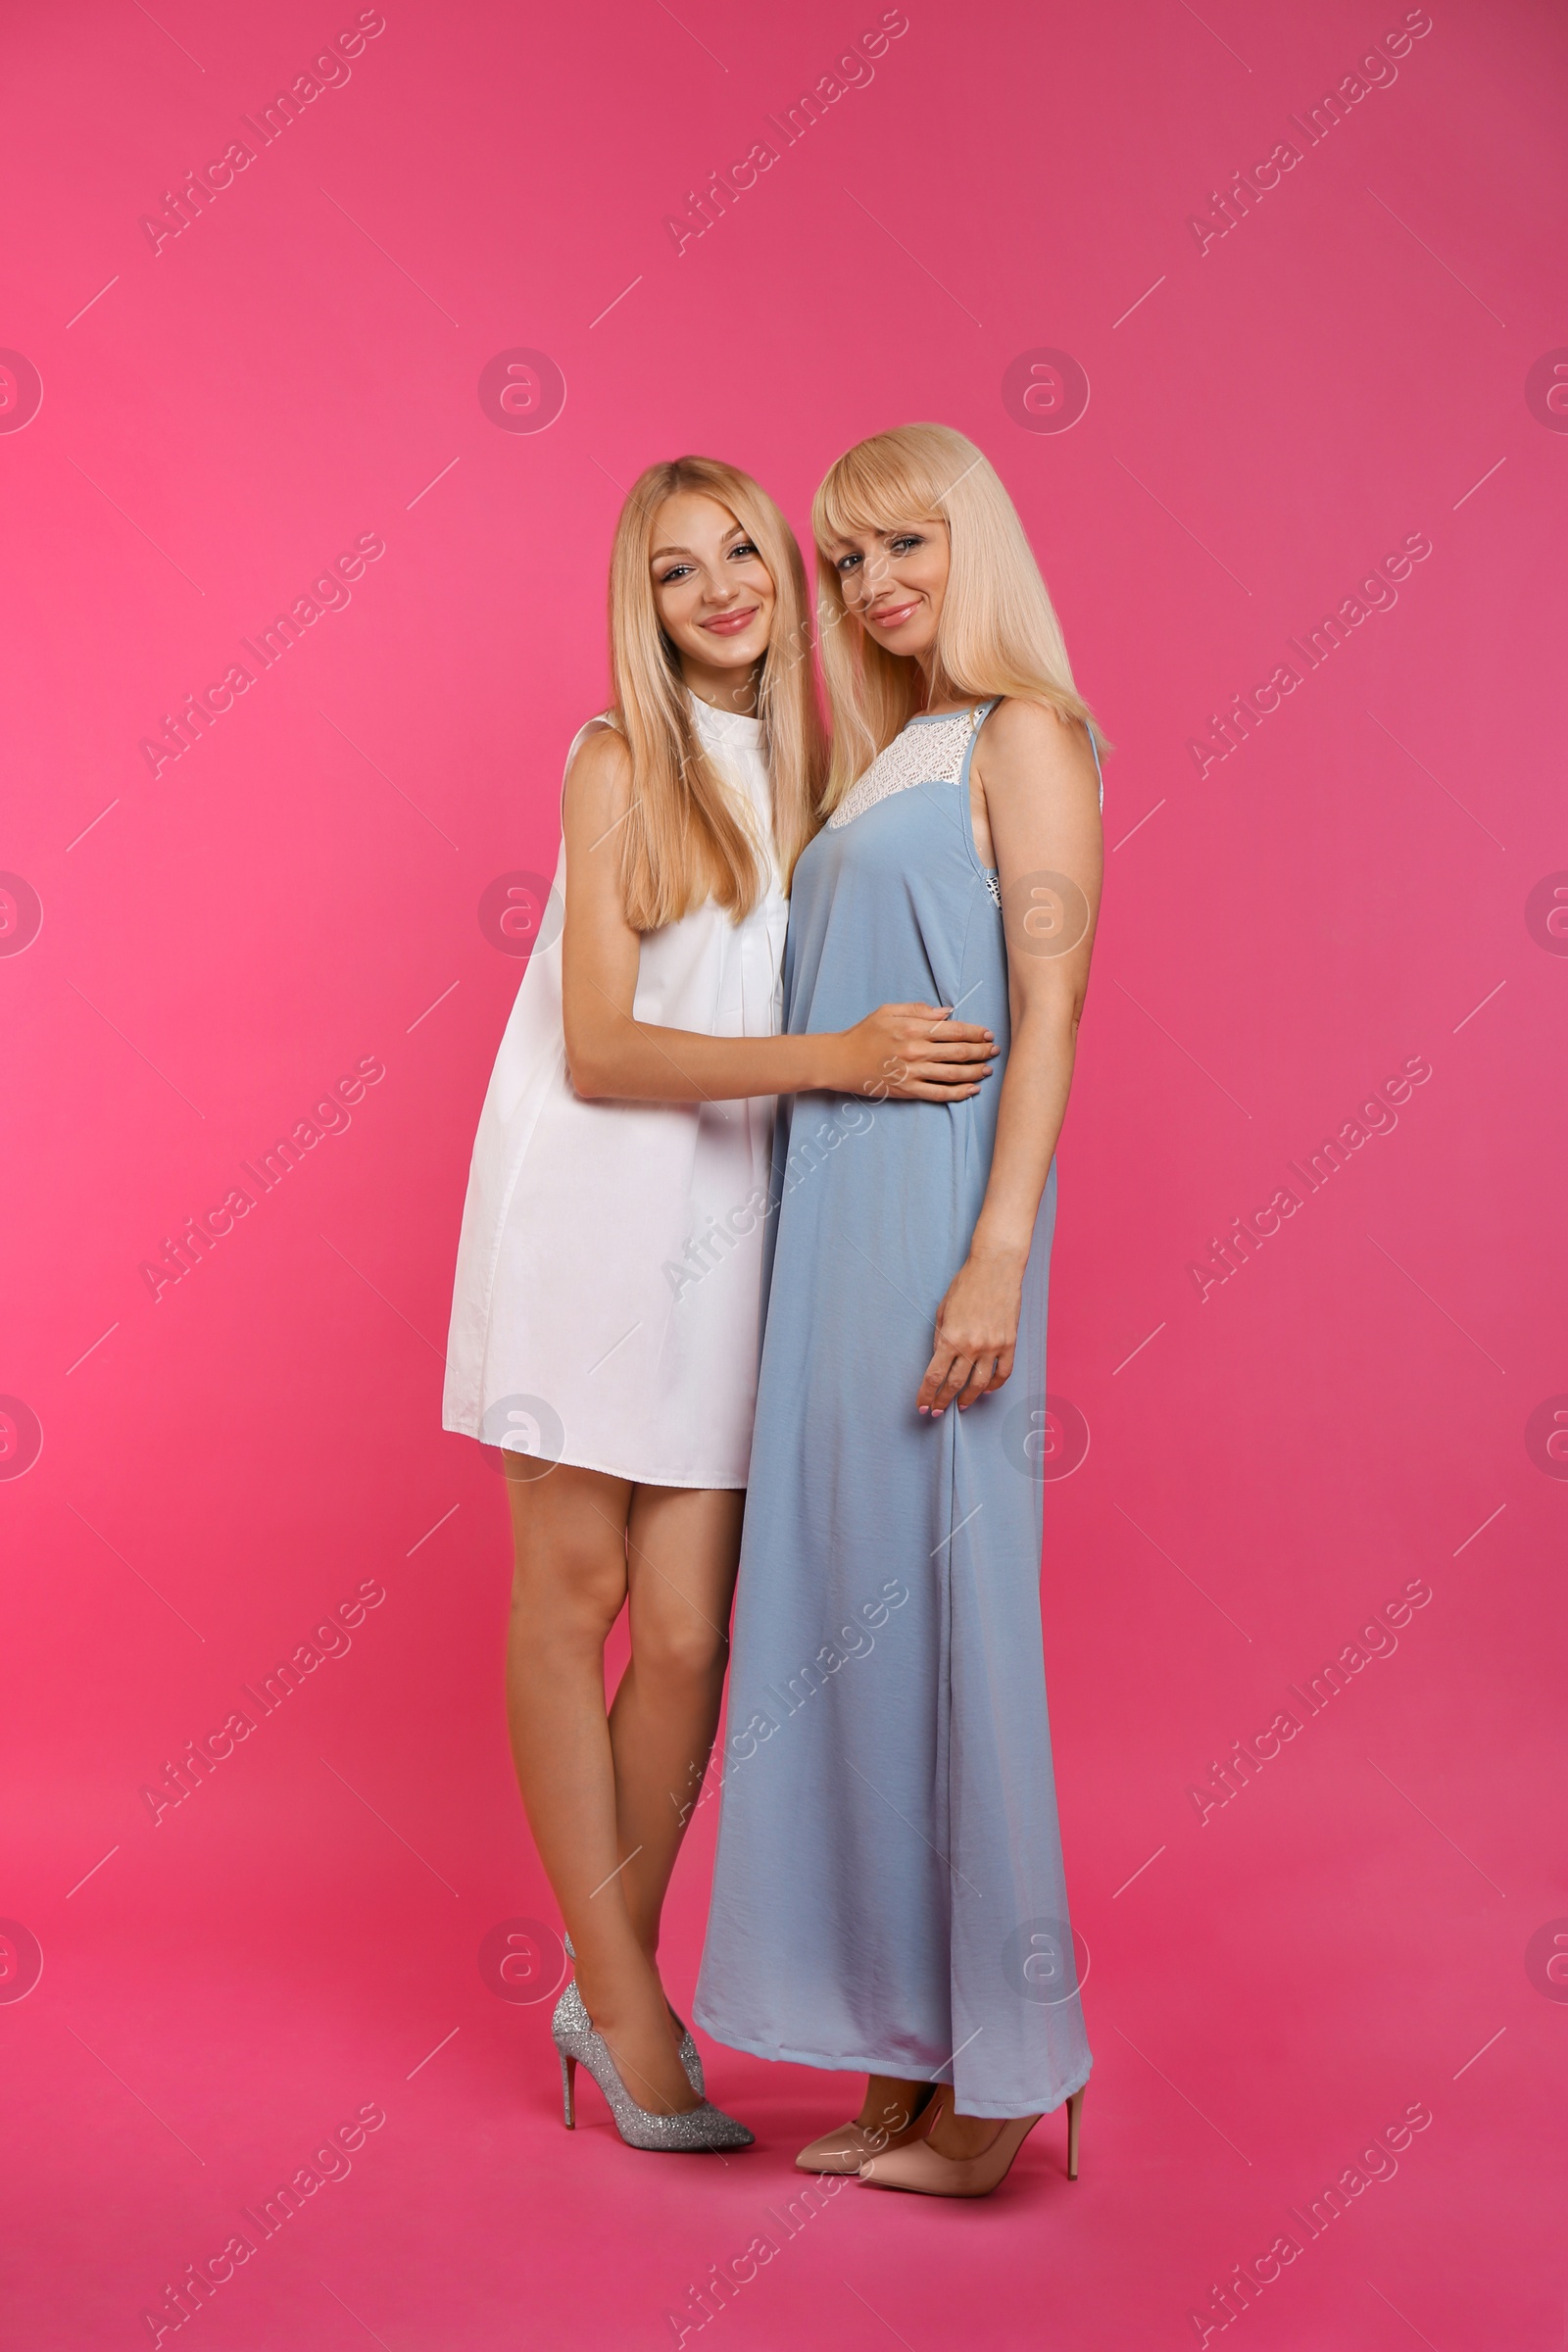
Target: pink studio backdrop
[(1339, 392)]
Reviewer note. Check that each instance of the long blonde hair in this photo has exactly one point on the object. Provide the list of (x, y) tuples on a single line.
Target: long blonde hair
[(999, 633), (683, 839)]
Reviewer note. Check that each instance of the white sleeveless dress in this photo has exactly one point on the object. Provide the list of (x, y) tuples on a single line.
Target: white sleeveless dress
[(609, 1284)]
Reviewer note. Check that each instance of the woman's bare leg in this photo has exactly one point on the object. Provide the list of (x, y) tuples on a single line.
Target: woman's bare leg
[(682, 1549), (569, 1588), (891, 2103)]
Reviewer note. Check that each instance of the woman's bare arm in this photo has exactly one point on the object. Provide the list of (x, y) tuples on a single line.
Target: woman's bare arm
[(909, 1052), (1042, 808)]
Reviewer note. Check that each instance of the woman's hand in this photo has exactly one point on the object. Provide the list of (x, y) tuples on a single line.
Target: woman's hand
[(908, 1052), (977, 1331), (913, 1053)]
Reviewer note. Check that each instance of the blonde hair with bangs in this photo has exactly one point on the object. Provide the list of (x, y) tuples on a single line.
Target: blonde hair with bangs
[(685, 837), (997, 634)]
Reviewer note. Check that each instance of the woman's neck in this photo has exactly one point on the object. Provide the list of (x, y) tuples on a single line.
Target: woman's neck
[(733, 690), (935, 698)]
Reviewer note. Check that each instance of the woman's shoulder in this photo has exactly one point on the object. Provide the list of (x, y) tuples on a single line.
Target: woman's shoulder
[(1023, 732), (598, 749), (598, 779), (603, 727), (1019, 720)]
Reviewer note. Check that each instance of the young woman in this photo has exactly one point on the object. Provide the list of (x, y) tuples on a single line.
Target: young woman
[(889, 1894), (605, 1321)]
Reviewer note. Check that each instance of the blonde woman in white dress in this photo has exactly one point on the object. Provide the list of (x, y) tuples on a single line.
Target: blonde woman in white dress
[(605, 1313)]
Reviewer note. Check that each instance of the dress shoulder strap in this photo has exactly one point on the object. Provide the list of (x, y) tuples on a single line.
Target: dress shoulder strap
[(601, 718), (1098, 770)]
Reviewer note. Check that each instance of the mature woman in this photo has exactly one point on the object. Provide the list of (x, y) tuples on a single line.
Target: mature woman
[(889, 1894), (605, 1321)]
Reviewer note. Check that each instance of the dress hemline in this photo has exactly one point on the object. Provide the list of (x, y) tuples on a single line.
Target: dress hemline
[(987, 2110), (634, 1478)]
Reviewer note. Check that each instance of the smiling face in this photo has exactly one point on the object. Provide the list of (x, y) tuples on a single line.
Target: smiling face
[(714, 598), (894, 582)]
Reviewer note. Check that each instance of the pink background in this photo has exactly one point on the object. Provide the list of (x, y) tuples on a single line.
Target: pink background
[(1267, 1467)]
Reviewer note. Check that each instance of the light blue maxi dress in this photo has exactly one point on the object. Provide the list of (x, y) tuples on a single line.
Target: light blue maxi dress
[(888, 1894)]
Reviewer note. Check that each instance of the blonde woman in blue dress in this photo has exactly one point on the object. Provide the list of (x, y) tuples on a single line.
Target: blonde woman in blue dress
[(889, 1896), (604, 1318)]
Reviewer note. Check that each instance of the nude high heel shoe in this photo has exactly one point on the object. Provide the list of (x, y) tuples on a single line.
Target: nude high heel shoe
[(579, 2043), (920, 2167), (851, 2145)]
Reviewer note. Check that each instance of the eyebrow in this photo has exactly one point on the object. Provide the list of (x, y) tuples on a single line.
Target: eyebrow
[(736, 531), (892, 530)]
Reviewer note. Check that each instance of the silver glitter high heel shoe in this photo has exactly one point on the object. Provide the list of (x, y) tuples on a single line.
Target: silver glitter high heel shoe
[(691, 2057), (579, 2043)]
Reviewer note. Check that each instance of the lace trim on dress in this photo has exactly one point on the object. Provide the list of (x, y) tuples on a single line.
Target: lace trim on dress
[(930, 750)]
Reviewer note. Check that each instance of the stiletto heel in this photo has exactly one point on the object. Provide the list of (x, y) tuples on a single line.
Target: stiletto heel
[(568, 2069), (1075, 2117), (580, 2043)]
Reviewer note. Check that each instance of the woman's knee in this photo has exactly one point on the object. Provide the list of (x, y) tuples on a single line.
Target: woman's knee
[(570, 1597), (677, 1644)]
